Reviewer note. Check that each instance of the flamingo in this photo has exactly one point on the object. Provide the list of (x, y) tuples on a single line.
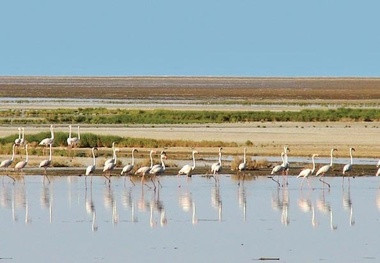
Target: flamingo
[(111, 160), (18, 140), (145, 169), (48, 141), (158, 169), (348, 167), (46, 163), (217, 167), (6, 163), (21, 164), (73, 141), (187, 168), (278, 168), (129, 167), (305, 173), (324, 169), (108, 167), (91, 168), (243, 165)]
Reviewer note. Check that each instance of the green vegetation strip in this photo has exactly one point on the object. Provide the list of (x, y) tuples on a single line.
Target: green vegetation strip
[(123, 116)]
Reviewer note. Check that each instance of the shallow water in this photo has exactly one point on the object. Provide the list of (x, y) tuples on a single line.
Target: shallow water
[(71, 220)]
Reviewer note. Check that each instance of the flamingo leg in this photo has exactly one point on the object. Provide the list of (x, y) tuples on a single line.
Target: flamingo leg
[(109, 180), (130, 179), (277, 182), (320, 179)]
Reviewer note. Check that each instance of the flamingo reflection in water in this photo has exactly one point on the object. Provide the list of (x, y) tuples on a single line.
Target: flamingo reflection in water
[(128, 202), (242, 197), (347, 204), (110, 203), (46, 200), (216, 200), (157, 205), (187, 204), (305, 205), (90, 209), (280, 201), (325, 207)]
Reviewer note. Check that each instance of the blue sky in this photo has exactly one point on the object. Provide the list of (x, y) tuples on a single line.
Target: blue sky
[(190, 38)]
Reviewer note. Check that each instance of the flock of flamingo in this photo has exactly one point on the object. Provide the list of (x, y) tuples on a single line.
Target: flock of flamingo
[(157, 169)]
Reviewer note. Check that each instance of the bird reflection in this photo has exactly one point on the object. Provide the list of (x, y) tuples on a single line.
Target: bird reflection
[(216, 200), (347, 204), (242, 200), (157, 205), (325, 207), (46, 200), (280, 201), (306, 206), (127, 202), (90, 209), (187, 204), (110, 203)]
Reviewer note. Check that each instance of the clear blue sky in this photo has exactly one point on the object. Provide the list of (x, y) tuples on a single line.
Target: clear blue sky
[(190, 38)]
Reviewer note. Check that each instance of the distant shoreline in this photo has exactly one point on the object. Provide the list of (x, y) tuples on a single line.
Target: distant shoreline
[(276, 89)]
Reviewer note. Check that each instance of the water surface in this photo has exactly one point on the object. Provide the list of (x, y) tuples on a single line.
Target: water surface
[(196, 220)]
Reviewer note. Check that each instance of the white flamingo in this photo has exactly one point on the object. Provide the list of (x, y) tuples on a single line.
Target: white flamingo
[(129, 167), (158, 169), (73, 141), (91, 168), (280, 168), (21, 164), (111, 160), (348, 167), (6, 163), (48, 141), (243, 165), (145, 169), (324, 169), (305, 173), (217, 167), (18, 140), (187, 168), (108, 167), (46, 163)]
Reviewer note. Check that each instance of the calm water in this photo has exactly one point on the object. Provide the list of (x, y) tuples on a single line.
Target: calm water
[(70, 220)]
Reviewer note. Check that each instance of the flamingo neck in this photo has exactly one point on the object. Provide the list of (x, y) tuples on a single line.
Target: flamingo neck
[(133, 157), (193, 161), (245, 160), (23, 134), (162, 161), (331, 156), (26, 153), (151, 159), (13, 152), (312, 158), (70, 132), (351, 156), (93, 156), (78, 133), (52, 133)]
